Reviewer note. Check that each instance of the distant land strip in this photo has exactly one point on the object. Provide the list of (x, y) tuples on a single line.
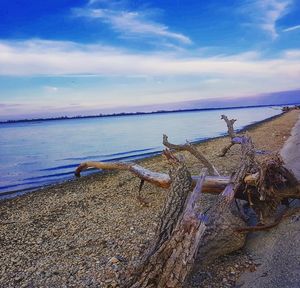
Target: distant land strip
[(138, 113)]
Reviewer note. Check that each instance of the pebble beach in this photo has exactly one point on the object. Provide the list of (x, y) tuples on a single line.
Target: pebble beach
[(85, 232)]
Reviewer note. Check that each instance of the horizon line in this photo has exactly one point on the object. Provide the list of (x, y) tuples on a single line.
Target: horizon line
[(120, 114)]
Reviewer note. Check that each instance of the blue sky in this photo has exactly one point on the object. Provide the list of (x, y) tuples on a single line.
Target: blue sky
[(76, 57)]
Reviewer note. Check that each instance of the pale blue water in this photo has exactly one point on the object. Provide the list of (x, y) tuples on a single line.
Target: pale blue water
[(34, 154)]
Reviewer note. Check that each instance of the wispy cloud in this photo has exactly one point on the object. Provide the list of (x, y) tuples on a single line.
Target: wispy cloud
[(266, 13), (158, 77), (131, 23), (38, 57), (51, 89), (296, 27)]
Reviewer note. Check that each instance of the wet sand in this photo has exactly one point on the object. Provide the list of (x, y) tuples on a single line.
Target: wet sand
[(65, 235)]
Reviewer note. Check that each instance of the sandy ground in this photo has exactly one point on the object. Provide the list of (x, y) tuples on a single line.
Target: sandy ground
[(277, 252), (66, 235)]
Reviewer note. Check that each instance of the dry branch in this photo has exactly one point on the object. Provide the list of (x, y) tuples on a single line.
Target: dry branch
[(234, 139), (212, 184), (229, 124), (158, 179), (194, 151), (231, 134)]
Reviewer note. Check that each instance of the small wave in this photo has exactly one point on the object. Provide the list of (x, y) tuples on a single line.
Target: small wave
[(50, 176), (23, 184), (131, 157), (108, 155)]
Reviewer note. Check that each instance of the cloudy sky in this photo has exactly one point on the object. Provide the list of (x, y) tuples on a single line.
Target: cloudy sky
[(78, 56)]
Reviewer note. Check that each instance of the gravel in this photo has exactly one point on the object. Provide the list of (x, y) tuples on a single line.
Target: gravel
[(85, 232)]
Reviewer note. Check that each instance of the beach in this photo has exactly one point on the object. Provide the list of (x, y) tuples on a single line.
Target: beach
[(84, 232)]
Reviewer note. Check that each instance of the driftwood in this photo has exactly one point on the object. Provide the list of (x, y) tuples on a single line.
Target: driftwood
[(211, 185), (231, 134), (194, 151), (234, 138), (172, 255), (184, 235)]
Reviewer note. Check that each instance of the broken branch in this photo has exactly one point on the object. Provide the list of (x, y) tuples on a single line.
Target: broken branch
[(211, 185), (194, 151), (231, 134)]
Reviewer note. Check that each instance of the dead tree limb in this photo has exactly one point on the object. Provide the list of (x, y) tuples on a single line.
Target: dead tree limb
[(231, 134), (229, 124), (194, 151), (235, 139), (212, 184), (158, 179)]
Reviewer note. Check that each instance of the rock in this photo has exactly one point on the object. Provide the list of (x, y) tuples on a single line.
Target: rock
[(113, 260), (121, 258)]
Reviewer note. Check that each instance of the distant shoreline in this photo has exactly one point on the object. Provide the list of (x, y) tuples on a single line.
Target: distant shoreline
[(137, 113), (152, 155)]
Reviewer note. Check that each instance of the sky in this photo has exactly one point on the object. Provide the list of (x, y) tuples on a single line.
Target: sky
[(72, 57)]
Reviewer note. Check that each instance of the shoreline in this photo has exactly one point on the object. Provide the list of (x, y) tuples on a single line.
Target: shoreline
[(19, 193), (140, 113), (66, 234)]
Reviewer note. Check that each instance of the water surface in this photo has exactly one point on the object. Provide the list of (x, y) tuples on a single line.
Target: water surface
[(33, 154)]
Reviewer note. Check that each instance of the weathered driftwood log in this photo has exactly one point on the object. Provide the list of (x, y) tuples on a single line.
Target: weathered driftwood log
[(181, 232), (221, 236), (172, 254), (275, 184), (185, 235)]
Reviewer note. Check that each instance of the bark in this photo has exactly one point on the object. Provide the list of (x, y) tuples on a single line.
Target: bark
[(184, 236), (171, 258), (221, 236)]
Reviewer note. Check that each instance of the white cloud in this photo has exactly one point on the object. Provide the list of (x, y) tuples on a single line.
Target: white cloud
[(297, 27), (131, 24), (265, 14), (160, 77), (37, 57), (51, 89)]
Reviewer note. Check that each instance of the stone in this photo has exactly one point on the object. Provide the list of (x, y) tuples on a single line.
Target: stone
[(113, 260)]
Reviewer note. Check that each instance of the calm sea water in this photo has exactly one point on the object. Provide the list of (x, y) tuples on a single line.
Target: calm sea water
[(34, 154)]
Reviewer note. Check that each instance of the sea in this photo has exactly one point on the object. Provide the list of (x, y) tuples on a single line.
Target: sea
[(40, 153)]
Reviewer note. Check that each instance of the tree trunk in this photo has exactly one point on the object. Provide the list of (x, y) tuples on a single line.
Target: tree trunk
[(183, 232), (171, 257)]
